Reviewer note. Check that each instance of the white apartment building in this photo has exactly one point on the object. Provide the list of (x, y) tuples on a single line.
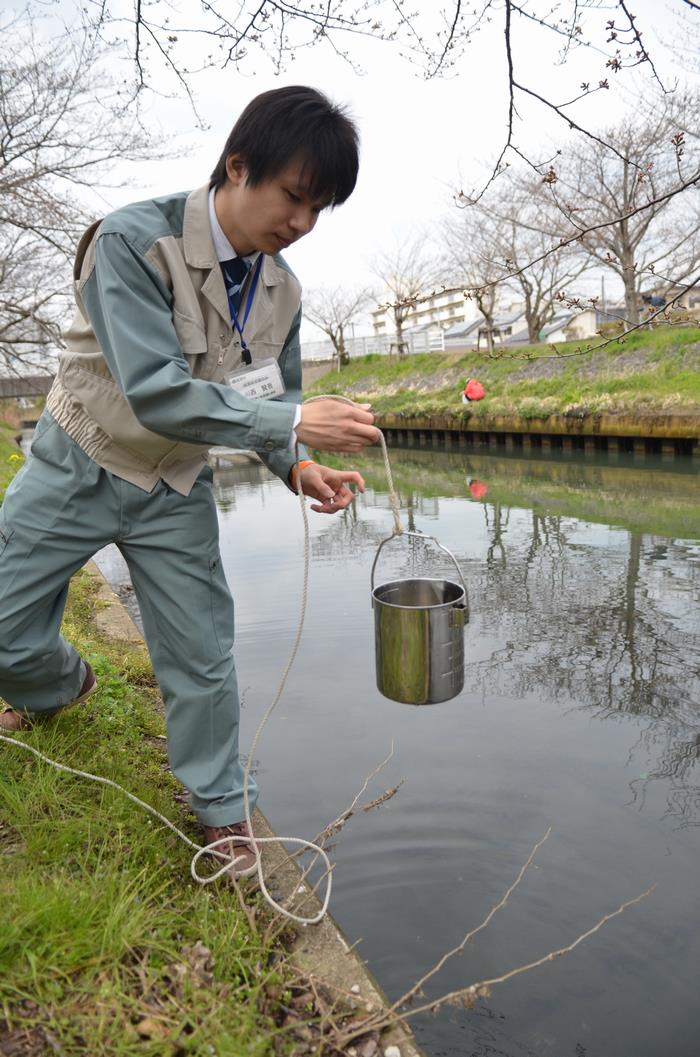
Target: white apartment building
[(448, 320), (442, 310)]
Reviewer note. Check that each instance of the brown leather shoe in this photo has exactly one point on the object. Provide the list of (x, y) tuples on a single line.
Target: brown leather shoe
[(13, 719), (241, 849)]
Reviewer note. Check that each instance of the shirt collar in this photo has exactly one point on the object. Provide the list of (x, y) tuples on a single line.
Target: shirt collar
[(222, 247)]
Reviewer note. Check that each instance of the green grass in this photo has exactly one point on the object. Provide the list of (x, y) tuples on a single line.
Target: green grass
[(101, 924), (650, 372)]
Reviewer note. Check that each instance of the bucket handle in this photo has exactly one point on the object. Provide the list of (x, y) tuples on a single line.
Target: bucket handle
[(420, 536)]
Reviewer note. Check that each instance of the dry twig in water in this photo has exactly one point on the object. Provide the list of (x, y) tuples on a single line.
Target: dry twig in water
[(466, 997)]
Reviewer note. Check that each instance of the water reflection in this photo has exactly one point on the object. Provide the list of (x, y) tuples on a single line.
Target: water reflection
[(579, 709), (597, 618), (243, 470)]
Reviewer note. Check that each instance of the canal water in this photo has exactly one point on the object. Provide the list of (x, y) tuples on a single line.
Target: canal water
[(580, 712)]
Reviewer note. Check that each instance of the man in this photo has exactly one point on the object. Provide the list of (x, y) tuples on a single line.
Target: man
[(181, 302)]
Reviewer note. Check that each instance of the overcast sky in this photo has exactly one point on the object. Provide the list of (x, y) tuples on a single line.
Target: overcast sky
[(421, 139)]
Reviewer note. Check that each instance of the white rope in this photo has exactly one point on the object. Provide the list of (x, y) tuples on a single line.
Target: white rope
[(292, 657), (205, 849), (199, 849)]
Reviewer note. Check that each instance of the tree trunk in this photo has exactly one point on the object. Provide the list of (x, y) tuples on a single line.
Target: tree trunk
[(400, 343), (337, 346), (533, 317), (343, 357), (485, 304), (631, 304), (488, 327)]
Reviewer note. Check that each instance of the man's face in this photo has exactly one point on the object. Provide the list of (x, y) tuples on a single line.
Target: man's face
[(270, 216)]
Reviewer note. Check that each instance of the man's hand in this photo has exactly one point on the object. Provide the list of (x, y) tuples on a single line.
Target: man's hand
[(329, 487), (332, 425)]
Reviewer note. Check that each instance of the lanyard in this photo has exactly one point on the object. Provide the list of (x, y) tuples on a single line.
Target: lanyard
[(247, 358)]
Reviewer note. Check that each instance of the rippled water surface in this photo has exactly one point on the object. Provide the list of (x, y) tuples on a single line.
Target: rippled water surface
[(579, 712)]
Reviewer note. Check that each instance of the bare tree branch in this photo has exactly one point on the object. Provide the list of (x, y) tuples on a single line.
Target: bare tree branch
[(468, 995), (644, 54), (408, 271), (567, 240), (61, 128), (333, 310), (449, 42)]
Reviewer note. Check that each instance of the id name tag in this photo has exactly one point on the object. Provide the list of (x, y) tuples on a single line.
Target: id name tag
[(260, 381)]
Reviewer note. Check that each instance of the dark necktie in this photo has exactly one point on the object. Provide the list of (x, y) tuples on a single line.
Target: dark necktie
[(234, 272)]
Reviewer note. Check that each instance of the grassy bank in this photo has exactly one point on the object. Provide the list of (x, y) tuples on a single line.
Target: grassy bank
[(651, 372), (107, 947)]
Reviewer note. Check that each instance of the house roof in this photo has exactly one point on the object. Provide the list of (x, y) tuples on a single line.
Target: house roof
[(507, 321), (461, 330)]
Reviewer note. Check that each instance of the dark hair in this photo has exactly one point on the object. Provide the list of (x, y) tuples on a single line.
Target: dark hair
[(287, 123)]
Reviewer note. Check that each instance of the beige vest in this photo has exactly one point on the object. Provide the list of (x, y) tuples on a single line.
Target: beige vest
[(87, 402)]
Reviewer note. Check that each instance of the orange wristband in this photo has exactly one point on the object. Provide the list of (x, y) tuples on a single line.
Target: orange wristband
[(293, 472)]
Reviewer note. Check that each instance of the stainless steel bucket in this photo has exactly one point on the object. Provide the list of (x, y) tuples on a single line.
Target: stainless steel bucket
[(419, 635)]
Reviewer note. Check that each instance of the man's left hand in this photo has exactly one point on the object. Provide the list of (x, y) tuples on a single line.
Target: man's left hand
[(330, 487)]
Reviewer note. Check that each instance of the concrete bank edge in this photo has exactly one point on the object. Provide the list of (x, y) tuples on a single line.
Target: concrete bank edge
[(661, 425), (321, 951)]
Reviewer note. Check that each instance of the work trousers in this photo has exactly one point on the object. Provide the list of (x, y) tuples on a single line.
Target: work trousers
[(60, 509)]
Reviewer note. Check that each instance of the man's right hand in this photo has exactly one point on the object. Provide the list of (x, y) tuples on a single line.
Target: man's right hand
[(332, 425)]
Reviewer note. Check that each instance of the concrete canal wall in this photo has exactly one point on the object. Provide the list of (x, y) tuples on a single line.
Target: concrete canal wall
[(666, 435)]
